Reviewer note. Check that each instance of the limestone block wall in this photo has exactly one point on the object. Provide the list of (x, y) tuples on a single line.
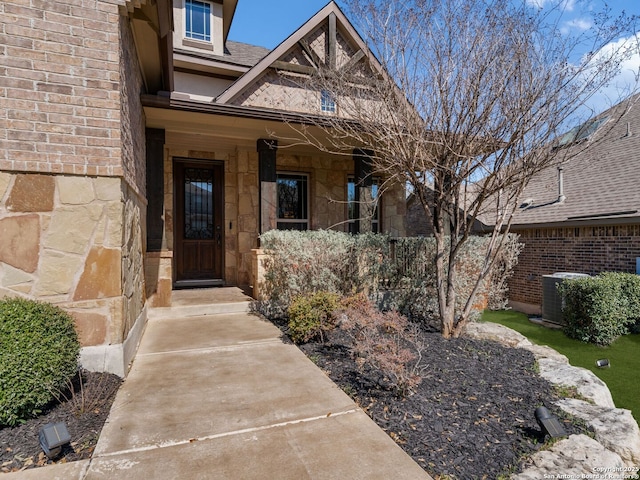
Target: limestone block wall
[(327, 194), (133, 281), (327, 186), (394, 210), (247, 205), (62, 243)]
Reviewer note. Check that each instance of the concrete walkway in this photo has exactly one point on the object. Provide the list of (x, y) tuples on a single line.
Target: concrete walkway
[(221, 397)]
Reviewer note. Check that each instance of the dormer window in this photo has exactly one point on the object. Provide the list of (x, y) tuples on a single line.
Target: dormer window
[(582, 132), (197, 17)]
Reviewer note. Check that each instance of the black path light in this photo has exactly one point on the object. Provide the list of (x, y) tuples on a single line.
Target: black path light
[(53, 437), (549, 424)]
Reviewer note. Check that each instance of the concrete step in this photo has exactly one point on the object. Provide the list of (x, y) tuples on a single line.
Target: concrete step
[(180, 311)]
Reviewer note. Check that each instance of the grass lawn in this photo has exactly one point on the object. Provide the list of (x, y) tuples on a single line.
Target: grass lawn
[(622, 378)]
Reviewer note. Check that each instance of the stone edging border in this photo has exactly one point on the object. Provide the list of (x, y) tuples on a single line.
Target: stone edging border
[(615, 452)]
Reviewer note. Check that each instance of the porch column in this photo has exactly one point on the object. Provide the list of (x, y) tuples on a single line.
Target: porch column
[(267, 150), (155, 188), (363, 183), (158, 260)]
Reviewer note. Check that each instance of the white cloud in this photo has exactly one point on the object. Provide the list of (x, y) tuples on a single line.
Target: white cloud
[(565, 5), (626, 81), (579, 23)]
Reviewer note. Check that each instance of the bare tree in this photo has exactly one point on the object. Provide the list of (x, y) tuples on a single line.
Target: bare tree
[(462, 101)]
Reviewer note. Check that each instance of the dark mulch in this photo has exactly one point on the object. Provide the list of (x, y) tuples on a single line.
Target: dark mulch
[(472, 416), (84, 412)]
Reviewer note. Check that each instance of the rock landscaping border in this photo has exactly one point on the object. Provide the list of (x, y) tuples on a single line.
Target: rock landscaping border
[(615, 451)]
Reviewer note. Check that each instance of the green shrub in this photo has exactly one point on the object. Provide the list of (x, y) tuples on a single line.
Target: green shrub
[(301, 263), (631, 292), (38, 354), (399, 273), (600, 309), (312, 315)]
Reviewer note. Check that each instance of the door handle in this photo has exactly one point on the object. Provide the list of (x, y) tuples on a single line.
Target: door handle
[(219, 235)]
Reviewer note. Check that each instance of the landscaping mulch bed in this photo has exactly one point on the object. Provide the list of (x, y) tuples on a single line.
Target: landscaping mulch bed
[(84, 412), (472, 415)]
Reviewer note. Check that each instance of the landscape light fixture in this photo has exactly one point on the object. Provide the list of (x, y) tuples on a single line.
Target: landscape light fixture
[(53, 437), (603, 362), (549, 424)]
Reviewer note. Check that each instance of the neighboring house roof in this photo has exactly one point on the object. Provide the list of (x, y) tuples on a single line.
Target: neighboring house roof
[(602, 182)]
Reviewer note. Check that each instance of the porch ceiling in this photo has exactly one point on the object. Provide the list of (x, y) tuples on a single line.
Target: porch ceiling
[(230, 131)]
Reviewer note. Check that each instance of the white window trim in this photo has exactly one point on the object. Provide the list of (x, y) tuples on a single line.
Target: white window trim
[(211, 24), (327, 102)]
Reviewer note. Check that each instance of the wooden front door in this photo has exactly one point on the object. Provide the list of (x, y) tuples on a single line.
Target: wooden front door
[(199, 230)]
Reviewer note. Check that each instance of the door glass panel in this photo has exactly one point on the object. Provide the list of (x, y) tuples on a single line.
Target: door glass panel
[(198, 204)]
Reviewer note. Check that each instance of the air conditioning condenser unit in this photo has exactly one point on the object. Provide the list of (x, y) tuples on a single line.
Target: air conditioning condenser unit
[(551, 300)]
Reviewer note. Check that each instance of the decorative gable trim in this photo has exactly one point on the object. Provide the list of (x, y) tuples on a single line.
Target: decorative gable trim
[(332, 14)]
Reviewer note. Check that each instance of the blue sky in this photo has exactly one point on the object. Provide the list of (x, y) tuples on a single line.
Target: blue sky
[(268, 23)]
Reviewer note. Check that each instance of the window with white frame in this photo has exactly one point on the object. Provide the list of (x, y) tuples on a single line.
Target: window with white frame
[(327, 102), (353, 211), (293, 201), (197, 20)]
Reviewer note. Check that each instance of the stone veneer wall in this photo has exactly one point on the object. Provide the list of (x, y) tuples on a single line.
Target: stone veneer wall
[(581, 249), (327, 191), (62, 240), (72, 167)]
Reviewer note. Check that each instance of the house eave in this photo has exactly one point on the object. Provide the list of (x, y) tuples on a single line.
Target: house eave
[(583, 222), (186, 105), (191, 60)]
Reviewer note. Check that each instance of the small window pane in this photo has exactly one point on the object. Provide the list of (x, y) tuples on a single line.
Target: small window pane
[(352, 211), (292, 202), (198, 20), (198, 204), (327, 102)]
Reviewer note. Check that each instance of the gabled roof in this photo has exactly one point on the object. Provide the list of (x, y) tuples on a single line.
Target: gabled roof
[(243, 53), (315, 22), (601, 183), (228, 11)]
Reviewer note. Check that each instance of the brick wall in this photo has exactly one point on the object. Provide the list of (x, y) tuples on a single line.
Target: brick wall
[(132, 124), (418, 224), (585, 250), (59, 64), (72, 166)]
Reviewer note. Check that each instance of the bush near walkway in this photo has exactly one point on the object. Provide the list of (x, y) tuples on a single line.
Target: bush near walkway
[(398, 272), (310, 316), (39, 351)]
